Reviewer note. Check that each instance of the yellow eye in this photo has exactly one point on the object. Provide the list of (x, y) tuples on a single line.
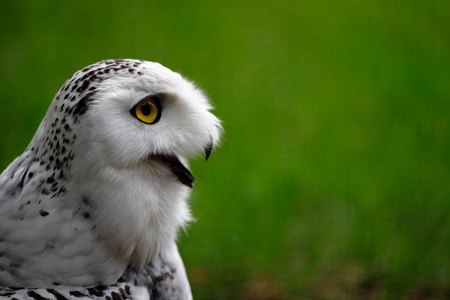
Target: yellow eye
[(148, 110)]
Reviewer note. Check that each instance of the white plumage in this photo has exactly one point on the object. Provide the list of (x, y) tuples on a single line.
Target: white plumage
[(97, 198)]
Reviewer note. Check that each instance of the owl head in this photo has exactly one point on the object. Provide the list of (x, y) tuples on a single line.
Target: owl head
[(114, 144), (123, 113)]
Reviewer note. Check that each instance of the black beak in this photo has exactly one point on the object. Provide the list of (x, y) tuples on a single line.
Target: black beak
[(178, 169), (208, 148)]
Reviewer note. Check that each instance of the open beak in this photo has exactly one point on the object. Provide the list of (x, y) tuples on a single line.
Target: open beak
[(178, 169)]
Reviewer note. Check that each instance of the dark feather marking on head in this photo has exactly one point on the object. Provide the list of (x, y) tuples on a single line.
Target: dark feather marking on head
[(23, 179), (82, 106), (84, 86)]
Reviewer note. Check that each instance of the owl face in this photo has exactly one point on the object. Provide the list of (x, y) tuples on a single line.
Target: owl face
[(150, 116)]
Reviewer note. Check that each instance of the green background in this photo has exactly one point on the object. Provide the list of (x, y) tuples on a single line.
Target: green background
[(332, 181)]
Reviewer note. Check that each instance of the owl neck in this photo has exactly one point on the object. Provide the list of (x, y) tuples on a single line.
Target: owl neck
[(137, 211)]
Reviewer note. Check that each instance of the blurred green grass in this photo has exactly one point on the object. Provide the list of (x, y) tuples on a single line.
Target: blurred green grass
[(332, 180)]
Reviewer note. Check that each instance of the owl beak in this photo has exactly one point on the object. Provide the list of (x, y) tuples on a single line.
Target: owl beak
[(178, 169), (182, 173), (208, 148)]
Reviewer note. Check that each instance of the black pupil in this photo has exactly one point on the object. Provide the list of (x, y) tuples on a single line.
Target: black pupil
[(146, 109)]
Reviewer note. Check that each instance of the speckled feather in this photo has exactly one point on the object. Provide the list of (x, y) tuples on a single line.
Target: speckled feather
[(92, 208)]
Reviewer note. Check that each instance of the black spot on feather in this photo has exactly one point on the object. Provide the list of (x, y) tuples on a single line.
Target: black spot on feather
[(116, 296), (82, 106), (96, 291), (36, 296), (77, 294), (43, 213), (57, 295)]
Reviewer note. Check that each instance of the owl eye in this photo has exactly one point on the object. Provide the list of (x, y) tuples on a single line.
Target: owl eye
[(147, 110)]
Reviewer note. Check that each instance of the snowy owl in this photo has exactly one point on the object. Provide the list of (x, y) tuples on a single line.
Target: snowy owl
[(92, 208)]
